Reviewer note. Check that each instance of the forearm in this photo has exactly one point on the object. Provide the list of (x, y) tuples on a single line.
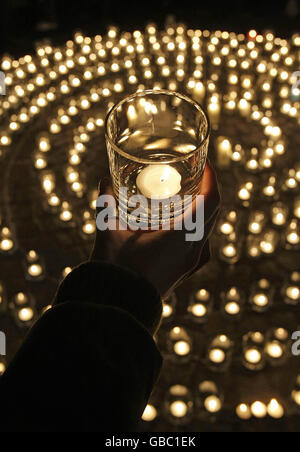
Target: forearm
[(87, 365)]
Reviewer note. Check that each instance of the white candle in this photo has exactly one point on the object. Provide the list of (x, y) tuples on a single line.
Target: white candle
[(214, 110), (159, 181), (275, 410), (224, 151), (199, 92)]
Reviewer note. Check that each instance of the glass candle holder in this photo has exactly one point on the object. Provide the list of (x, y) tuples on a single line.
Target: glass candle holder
[(179, 404), (209, 400), (157, 143), (253, 351)]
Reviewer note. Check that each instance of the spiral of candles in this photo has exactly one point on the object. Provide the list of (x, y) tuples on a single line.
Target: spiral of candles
[(230, 326)]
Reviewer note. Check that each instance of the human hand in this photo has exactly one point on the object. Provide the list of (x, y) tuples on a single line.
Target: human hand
[(163, 257)]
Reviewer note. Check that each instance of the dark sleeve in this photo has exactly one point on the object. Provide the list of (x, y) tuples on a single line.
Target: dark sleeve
[(90, 363)]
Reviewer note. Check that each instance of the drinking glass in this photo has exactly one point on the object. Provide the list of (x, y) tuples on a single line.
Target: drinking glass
[(157, 142)]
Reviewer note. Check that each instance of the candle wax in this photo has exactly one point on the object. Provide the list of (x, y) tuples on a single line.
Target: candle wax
[(159, 181)]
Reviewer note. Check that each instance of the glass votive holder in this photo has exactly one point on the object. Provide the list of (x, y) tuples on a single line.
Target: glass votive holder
[(279, 214), (292, 235), (253, 247), (179, 344), (34, 266), (157, 142), (253, 351), (169, 305), (270, 189), (257, 221), (209, 400), (179, 404), (219, 353), (276, 346), (245, 193), (291, 290), (200, 306), (261, 296), (7, 240), (233, 301), (230, 250), (269, 242), (23, 309)]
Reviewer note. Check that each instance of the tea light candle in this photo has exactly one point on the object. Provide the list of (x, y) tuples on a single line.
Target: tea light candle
[(213, 404), (259, 409), (274, 350), (243, 411), (199, 91), (178, 408), (182, 348), (275, 410), (253, 356), (149, 413), (217, 355), (214, 110), (224, 151), (159, 181)]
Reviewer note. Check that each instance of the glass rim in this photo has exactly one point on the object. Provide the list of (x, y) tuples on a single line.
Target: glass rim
[(155, 91)]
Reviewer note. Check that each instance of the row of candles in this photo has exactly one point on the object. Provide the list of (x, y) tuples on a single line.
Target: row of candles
[(258, 349), (233, 300), (201, 304), (76, 52), (180, 405), (209, 401), (180, 411)]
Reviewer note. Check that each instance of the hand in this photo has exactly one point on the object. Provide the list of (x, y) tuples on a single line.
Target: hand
[(165, 258)]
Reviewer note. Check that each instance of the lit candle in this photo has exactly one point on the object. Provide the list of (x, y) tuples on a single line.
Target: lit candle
[(182, 348), (259, 410), (275, 410), (159, 181), (217, 355), (274, 350), (253, 356), (244, 107), (198, 310), (224, 152), (243, 411), (178, 408), (293, 293), (212, 404), (149, 413), (232, 308), (25, 314), (199, 92), (214, 110)]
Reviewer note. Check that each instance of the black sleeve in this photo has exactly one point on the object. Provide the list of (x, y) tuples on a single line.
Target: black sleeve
[(90, 363)]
